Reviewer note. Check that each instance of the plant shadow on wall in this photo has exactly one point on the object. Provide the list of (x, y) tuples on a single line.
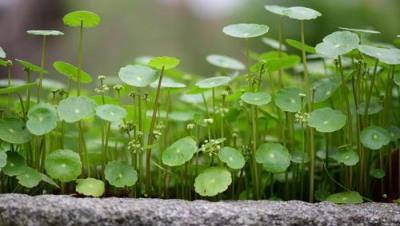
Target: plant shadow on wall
[(318, 125)]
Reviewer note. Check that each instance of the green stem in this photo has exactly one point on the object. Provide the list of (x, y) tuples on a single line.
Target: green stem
[(254, 143), (347, 102), (42, 65), (80, 58)]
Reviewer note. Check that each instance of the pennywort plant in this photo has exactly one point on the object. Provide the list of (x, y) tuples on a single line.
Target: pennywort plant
[(292, 122)]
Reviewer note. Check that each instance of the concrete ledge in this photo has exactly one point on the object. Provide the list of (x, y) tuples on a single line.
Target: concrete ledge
[(17, 209)]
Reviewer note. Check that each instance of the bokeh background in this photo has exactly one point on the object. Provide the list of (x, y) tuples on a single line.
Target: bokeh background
[(187, 29)]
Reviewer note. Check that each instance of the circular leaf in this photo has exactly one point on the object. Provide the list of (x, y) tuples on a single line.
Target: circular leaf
[(338, 43), (256, 98), (325, 88), (3, 159), (164, 62), (301, 13), (214, 82), (288, 99), (351, 197), (74, 109), (327, 120), (245, 30), (232, 157), (348, 157), (225, 62), (274, 157), (29, 178), (360, 31), (273, 43), (64, 165), (15, 89), (387, 56), (212, 181), (31, 67), (90, 187), (45, 32), (110, 112), (14, 131), (377, 173), (299, 157), (85, 19), (120, 174), (137, 75), (71, 72), (374, 137), (394, 133), (15, 164), (179, 152), (167, 83), (373, 108), (42, 118), (276, 9)]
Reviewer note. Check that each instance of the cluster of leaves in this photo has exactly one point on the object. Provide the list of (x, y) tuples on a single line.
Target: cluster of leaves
[(321, 125)]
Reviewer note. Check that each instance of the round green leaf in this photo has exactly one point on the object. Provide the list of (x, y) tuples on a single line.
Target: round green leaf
[(64, 165), (274, 61), (15, 164), (31, 67), (394, 133), (164, 62), (167, 83), (256, 98), (225, 62), (373, 108), (45, 32), (90, 187), (274, 157), (18, 88), (377, 173), (348, 157), (374, 137), (137, 75), (110, 112), (276, 9), (3, 159), (74, 109), (300, 46), (301, 13), (325, 88), (360, 31), (179, 152), (245, 30), (273, 43), (71, 72), (299, 157), (42, 118), (388, 56), (288, 99), (85, 19), (232, 157), (338, 43), (14, 131), (29, 178), (214, 82), (212, 181), (120, 174), (327, 120), (351, 197), (53, 84)]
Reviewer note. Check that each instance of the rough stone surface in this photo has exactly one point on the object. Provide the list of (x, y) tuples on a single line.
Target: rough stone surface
[(17, 209)]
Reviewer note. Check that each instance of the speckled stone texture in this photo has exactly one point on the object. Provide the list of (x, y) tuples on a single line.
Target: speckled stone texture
[(16, 209)]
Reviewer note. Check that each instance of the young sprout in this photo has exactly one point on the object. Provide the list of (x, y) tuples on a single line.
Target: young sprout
[(81, 19), (327, 120), (180, 152), (90, 187), (212, 181), (120, 174), (44, 34)]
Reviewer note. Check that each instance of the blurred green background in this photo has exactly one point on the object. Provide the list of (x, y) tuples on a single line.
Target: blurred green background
[(187, 29)]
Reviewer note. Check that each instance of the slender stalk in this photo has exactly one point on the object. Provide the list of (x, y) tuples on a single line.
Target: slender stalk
[(42, 65), (254, 148), (346, 99), (151, 135), (80, 59)]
